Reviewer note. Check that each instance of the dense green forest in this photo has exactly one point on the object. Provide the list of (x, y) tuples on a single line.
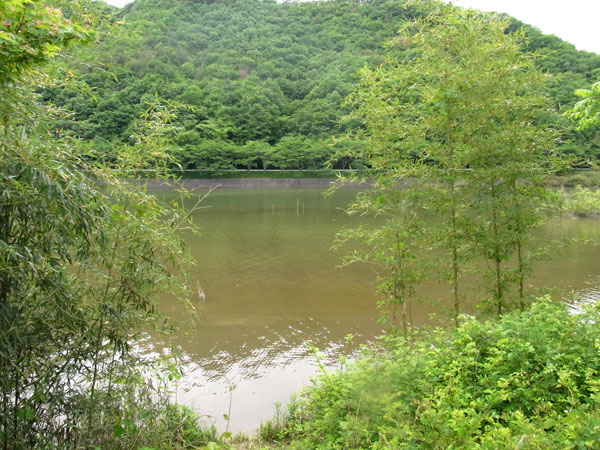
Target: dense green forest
[(260, 84)]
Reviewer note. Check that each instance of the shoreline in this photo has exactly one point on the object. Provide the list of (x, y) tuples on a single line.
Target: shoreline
[(249, 183)]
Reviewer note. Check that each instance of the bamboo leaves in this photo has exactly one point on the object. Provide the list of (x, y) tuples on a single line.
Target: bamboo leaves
[(457, 153)]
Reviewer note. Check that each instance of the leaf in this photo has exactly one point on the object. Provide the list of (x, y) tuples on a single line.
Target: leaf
[(129, 425), (26, 413), (226, 435), (118, 430)]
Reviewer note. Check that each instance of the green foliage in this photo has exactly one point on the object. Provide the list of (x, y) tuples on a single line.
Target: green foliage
[(258, 71), (459, 157), (587, 111), (33, 30), (571, 70), (133, 413), (286, 74), (83, 257), (528, 380), (182, 424)]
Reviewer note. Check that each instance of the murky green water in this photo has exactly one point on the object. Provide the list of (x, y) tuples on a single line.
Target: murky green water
[(271, 290)]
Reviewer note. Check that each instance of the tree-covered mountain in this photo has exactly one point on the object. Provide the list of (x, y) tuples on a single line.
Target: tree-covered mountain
[(261, 84)]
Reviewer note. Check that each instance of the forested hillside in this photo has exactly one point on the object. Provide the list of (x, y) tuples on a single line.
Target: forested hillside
[(260, 84)]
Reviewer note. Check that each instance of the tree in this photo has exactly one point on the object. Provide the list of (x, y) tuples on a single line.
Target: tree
[(457, 123), (587, 111), (32, 31), (258, 71), (82, 254)]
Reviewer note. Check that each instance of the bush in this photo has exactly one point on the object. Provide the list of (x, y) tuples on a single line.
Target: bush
[(528, 380)]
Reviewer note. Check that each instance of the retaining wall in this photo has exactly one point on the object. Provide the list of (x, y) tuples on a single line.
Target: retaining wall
[(250, 183)]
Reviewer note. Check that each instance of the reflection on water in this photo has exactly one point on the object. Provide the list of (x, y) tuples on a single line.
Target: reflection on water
[(590, 295), (272, 290)]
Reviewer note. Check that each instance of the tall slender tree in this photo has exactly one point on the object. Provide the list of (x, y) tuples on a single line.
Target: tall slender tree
[(457, 113)]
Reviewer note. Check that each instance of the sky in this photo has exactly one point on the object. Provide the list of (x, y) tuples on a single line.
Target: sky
[(575, 21)]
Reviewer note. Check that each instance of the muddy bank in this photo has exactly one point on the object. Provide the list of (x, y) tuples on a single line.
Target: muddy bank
[(250, 183)]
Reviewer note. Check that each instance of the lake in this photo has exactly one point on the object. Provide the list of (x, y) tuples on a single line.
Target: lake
[(271, 289)]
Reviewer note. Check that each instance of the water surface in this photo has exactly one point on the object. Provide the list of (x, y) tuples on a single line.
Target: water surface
[(272, 289)]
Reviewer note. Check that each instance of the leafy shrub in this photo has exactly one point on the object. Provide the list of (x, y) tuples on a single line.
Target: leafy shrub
[(528, 380)]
